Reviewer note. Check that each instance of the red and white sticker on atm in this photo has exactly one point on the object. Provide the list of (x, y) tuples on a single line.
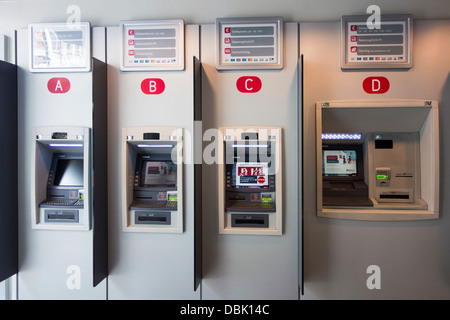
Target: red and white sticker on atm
[(58, 85), (250, 174)]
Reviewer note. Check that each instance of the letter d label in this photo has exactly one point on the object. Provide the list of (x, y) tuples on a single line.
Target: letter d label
[(376, 85)]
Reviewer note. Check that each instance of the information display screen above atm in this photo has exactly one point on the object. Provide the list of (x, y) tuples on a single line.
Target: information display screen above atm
[(339, 163), (69, 172)]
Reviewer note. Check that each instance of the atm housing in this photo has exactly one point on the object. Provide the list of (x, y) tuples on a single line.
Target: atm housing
[(154, 192), (61, 167), (65, 189), (396, 173), (251, 183), (153, 204)]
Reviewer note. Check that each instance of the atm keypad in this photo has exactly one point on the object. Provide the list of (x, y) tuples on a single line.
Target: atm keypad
[(63, 203), (154, 204)]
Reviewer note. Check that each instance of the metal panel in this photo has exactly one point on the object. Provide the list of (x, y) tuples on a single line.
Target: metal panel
[(197, 174), (100, 164), (151, 265), (256, 266), (8, 176), (411, 255), (54, 264)]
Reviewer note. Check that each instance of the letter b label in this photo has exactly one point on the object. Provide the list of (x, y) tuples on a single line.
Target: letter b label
[(153, 86)]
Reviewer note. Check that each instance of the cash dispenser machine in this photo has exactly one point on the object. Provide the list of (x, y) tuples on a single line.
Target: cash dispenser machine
[(251, 199), (153, 161), (63, 162), (250, 189), (62, 171), (8, 176), (155, 189), (378, 160)]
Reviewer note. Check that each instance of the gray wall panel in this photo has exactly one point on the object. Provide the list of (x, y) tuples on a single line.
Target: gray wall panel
[(412, 256)]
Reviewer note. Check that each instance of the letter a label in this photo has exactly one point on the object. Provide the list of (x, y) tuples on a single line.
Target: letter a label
[(58, 85)]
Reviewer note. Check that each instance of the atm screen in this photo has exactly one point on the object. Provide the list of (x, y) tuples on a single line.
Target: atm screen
[(69, 172), (158, 173), (250, 175), (249, 165), (340, 163)]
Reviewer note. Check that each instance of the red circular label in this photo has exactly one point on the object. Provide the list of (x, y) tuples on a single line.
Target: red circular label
[(58, 85), (261, 179), (376, 85), (153, 86), (248, 84)]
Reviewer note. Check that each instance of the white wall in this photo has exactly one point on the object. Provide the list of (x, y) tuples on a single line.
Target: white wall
[(16, 14), (413, 256)]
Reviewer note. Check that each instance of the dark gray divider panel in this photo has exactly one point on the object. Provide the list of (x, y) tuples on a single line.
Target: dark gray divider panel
[(300, 178), (197, 175), (8, 174), (100, 225)]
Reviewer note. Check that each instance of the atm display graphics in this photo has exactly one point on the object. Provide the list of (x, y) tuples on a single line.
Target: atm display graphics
[(339, 162)]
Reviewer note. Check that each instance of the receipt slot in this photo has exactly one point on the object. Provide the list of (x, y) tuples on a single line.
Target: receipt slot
[(62, 162), (250, 185), (378, 160), (152, 165)]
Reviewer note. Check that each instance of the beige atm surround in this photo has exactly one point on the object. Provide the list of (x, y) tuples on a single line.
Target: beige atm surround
[(40, 168), (275, 218), (132, 136), (374, 116)]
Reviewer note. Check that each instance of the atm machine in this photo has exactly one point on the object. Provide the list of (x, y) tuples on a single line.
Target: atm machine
[(250, 184), (374, 218), (385, 169), (155, 182), (8, 176), (62, 170), (251, 199), (153, 161), (63, 162)]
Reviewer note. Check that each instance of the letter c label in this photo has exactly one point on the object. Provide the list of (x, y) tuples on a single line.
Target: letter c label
[(248, 84)]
